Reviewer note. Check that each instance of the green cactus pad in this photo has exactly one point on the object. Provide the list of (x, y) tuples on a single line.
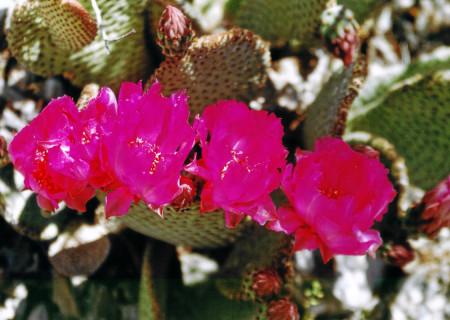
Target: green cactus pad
[(31, 43), (185, 226), (279, 21), (416, 119), (70, 25), (226, 66), (362, 8), (327, 116)]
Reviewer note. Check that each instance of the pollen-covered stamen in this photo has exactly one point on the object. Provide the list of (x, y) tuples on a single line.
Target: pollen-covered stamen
[(86, 137), (243, 162), (149, 149), (329, 192), (40, 174)]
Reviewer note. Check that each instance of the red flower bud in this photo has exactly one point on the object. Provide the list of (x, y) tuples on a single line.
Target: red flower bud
[(400, 254), (174, 31), (282, 310), (436, 212), (187, 195), (368, 151), (265, 283)]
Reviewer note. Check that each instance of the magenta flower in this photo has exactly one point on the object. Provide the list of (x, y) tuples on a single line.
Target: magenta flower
[(242, 161), (146, 143), (45, 153), (335, 195), (96, 122)]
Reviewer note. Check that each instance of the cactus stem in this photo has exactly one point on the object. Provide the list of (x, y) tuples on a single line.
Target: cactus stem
[(98, 15)]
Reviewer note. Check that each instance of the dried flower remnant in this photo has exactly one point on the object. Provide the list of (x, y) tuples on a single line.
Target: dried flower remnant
[(4, 155), (282, 310), (242, 161), (335, 195), (145, 152), (45, 152), (175, 32), (266, 283)]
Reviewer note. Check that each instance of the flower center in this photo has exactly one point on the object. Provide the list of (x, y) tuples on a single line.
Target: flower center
[(243, 162), (329, 192), (149, 149), (44, 180)]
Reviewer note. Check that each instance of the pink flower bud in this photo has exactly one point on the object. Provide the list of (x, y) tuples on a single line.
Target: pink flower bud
[(174, 31), (368, 151), (266, 283), (282, 310), (335, 194), (400, 254), (185, 198), (436, 212), (340, 31)]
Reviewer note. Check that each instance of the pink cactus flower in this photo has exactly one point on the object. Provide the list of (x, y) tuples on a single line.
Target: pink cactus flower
[(96, 122), (45, 153), (243, 161), (335, 195), (145, 149)]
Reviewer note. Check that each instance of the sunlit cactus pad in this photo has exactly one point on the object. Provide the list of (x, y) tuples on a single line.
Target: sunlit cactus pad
[(69, 23), (416, 119), (278, 21), (183, 226), (327, 116), (362, 8), (226, 66), (33, 43)]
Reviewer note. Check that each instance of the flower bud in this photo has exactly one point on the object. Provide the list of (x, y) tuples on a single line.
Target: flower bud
[(340, 31), (187, 195), (436, 210), (282, 310), (266, 283), (400, 254), (175, 32), (368, 151)]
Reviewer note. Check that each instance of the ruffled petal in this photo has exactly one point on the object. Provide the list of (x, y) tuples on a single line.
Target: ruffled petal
[(118, 203)]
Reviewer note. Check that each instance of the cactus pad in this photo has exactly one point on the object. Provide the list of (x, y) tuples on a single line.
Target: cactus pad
[(327, 116), (183, 226), (69, 24), (279, 21), (416, 119), (32, 44), (226, 66), (363, 8)]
